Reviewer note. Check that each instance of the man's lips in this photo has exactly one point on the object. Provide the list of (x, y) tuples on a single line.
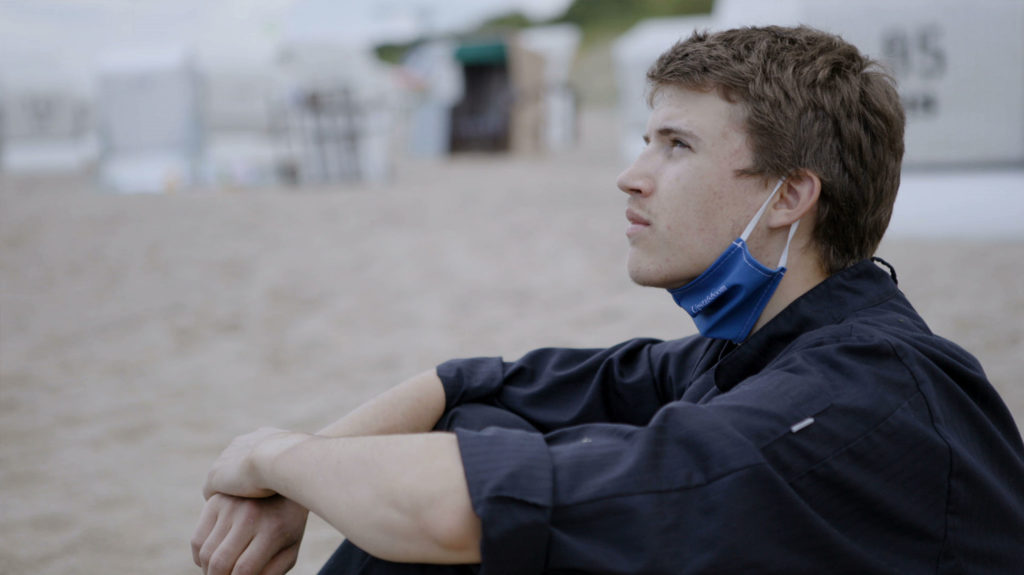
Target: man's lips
[(636, 222), (636, 219)]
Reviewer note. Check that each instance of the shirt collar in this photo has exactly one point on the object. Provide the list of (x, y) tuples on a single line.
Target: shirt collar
[(833, 300)]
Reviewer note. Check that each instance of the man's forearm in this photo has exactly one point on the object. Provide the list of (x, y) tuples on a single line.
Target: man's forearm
[(413, 406), (399, 497)]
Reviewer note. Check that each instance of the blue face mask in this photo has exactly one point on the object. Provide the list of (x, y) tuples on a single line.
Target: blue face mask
[(726, 300)]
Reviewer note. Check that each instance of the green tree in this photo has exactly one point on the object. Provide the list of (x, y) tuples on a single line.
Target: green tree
[(602, 19)]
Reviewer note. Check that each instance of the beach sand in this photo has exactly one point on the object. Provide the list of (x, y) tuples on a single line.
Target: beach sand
[(139, 334)]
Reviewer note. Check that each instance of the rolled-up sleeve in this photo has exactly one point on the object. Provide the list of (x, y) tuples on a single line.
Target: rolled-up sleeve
[(470, 380), (554, 388), (509, 473), (602, 497)]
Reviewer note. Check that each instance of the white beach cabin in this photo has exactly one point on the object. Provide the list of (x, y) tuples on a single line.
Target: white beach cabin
[(148, 120)]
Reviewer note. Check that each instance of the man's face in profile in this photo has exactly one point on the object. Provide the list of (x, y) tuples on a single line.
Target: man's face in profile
[(686, 203)]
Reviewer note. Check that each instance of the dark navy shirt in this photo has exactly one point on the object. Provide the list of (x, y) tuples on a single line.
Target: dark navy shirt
[(842, 437)]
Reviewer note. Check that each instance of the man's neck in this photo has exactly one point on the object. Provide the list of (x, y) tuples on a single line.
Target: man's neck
[(798, 280)]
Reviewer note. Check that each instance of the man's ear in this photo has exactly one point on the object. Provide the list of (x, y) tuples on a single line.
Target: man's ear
[(797, 198)]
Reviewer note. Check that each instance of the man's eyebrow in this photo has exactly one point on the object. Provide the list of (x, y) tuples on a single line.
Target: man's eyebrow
[(669, 132)]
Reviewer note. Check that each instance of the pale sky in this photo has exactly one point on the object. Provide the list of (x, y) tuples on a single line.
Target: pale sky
[(43, 40)]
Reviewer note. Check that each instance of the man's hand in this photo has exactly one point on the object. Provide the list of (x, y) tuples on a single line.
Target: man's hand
[(236, 470), (248, 535)]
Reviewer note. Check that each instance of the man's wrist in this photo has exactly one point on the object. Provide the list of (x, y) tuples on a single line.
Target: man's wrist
[(269, 450)]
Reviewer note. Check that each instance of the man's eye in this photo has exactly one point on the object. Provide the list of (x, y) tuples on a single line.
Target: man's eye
[(680, 144)]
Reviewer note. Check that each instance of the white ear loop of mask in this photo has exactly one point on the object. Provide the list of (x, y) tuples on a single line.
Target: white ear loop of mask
[(757, 217)]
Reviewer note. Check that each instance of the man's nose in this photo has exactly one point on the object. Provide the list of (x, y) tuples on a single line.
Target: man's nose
[(633, 181)]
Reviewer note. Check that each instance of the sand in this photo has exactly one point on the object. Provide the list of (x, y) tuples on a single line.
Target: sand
[(138, 334)]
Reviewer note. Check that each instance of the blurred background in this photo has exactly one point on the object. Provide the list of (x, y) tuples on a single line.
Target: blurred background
[(161, 96), (221, 215)]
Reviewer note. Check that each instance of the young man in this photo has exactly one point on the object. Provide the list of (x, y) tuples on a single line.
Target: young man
[(816, 424)]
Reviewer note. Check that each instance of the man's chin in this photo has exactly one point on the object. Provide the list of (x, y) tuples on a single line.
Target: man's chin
[(644, 280)]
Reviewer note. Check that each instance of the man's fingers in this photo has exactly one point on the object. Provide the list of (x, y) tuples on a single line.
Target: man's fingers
[(225, 557), (275, 547), (258, 554), (207, 520), (237, 535), (213, 541), (282, 562), (221, 560)]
